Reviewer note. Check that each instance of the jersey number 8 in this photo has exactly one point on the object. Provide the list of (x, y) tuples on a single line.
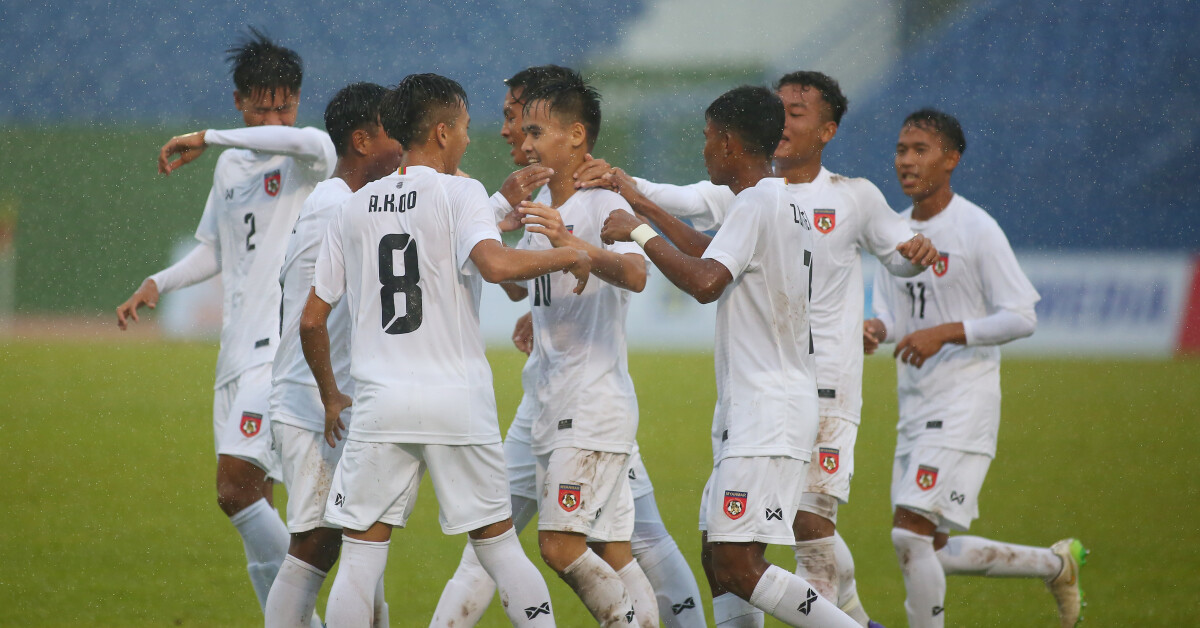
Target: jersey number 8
[(405, 284)]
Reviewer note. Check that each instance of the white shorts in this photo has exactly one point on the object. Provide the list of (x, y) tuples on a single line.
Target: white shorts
[(586, 492), (639, 479), (752, 500), (242, 423), (519, 460), (308, 466), (940, 484), (379, 482), (832, 465)]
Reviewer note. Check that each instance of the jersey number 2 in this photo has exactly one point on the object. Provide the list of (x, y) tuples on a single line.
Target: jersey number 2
[(405, 284)]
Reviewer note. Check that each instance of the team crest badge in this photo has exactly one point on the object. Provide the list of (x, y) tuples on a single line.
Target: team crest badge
[(735, 504), (568, 496), (271, 182), (926, 477), (251, 424), (942, 263), (828, 460), (825, 219)]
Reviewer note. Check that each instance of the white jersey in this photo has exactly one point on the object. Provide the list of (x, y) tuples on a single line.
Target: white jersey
[(582, 385), (704, 203), (529, 408), (399, 250), (255, 198), (953, 400), (766, 374), (290, 370)]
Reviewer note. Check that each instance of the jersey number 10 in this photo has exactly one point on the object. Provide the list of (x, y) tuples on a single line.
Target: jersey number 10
[(405, 284)]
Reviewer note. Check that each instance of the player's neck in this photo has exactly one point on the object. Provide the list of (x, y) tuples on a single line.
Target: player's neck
[(799, 171), (353, 172), (748, 175), (424, 156), (562, 182), (934, 204)]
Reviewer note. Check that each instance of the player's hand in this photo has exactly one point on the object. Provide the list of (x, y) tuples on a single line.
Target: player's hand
[(146, 294), (521, 184), (919, 346), (335, 428), (591, 174), (522, 336), (582, 268), (545, 220), (188, 147), (873, 334), (919, 250), (618, 226), (511, 221)]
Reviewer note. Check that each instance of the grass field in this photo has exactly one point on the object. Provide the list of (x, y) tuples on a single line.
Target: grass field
[(110, 518)]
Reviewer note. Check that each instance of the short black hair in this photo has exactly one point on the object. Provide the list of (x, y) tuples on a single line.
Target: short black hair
[(417, 104), (941, 123), (534, 77), (259, 63), (354, 106), (571, 97), (831, 92), (755, 114)]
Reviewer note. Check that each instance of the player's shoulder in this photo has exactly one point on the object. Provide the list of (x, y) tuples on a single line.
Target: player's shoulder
[(973, 216), (767, 190), (327, 194), (860, 189), (602, 199)]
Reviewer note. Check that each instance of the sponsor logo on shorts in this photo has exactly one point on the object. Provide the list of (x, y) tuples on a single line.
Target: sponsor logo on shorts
[(629, 616), (683, 606), (926, 477), (568, 496), (825, 219), (937, 610), (251, 424), (339, 500), (534, 611), (942, 264), (958, 497), (565, 424), (735, 504), (828, 459), (806, 606), (776, 514), (632, 475), (271, 182)]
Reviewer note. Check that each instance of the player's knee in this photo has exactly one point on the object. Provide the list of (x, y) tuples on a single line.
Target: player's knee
[(809, 526), (233, 496), (736, 571), (558, 551), (319, 547)]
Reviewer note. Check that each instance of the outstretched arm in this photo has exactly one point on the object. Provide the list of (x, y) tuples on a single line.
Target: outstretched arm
[(303, 143), (704, 279), (498, 263), (199, 264)]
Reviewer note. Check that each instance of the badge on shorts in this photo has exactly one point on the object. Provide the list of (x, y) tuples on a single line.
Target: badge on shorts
[(568, 496), (825, 219), (828, 460), (271, 182), (735, 504), (926, 477), (251, 423), (942, 263)]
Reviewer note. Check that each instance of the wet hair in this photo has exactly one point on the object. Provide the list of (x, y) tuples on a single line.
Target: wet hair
[(573, 99), (419, 103), (754, 114), (941, 123), (259, 63), (354, 107), (831, 92), (534, 77)]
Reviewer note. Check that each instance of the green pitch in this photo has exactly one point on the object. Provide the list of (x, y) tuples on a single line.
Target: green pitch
[(109, 513)]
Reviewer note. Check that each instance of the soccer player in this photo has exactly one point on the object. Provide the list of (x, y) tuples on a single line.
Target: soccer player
[(408, 252), (765, 422), (850, 215), (256, 195), (365, 153), (950, 321)]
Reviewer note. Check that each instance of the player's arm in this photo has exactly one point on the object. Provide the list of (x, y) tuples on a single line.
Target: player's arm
[(199, 264), (498, 263), (522, 336), (314, 342), (303, 143), (875, 330), (886, 235), (623, 270), (704, 279), (515, 291)]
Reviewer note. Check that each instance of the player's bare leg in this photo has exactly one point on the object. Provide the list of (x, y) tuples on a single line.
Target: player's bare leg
[(593, 580), (742, 570), (619, 556), (729, 610), (245, 495), (675, 587)]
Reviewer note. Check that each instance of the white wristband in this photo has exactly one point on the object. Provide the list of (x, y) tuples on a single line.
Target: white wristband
[(642, 234)]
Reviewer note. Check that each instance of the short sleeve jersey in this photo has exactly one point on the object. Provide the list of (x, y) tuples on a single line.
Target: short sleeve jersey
[(296, 278), (953, 400), (765, 371), (252, 206), (585, 397), (399, 252)]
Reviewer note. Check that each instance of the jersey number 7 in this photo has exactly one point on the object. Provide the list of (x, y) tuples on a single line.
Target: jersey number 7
[(405, 284)]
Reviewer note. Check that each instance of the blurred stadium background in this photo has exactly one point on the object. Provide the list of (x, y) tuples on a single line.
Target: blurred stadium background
[(1083, 131)]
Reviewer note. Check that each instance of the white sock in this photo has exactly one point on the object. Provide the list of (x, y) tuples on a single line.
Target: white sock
[(600, 589), (293, 595), (675, 588), (522, 590), (924, 580), (641, 594), (731, 611), (352, 598), (467, 594), (265, 539), (382, 618), (816, 563), (788, 598), (977, 556), (847, 587)]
